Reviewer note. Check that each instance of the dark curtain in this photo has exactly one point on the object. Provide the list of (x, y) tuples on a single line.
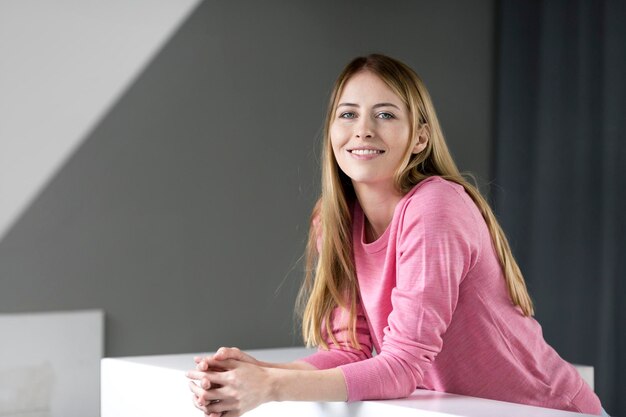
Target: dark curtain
[(559, 184)]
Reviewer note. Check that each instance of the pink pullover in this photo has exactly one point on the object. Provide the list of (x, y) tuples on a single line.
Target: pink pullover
[(435, 307)]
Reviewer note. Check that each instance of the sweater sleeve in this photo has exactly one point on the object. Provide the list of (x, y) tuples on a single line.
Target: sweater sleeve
[(435, 248), (344, 353)]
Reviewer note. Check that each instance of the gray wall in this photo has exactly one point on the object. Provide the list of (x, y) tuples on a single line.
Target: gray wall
[(184, 213), (63, 64)]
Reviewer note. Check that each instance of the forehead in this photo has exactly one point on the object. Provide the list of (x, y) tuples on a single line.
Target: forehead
[(365, 87)]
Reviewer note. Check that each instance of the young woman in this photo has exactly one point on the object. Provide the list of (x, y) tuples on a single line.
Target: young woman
[(405, 258)]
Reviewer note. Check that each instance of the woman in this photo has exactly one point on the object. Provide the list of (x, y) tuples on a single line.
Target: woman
[(409, 261)]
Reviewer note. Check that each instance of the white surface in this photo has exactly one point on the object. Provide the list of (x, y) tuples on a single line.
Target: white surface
[(63, 64), (50, 364), (131, 385)]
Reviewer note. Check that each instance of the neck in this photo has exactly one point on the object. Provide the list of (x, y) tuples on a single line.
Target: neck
[(378, 203)]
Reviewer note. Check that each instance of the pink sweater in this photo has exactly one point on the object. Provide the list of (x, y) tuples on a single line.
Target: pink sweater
[(435, 307)]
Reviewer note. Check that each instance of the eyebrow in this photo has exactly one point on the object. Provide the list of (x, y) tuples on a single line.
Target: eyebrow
[(375, 106)]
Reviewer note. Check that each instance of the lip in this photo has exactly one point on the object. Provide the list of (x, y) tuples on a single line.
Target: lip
[(367, 156), (365, 148)]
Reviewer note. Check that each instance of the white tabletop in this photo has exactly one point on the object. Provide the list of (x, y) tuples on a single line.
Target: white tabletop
[(156, 386)]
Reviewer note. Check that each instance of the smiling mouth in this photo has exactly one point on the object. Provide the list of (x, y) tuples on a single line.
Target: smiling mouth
[(366, 151)]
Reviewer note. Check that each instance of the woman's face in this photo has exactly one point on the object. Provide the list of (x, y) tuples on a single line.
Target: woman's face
[(370, 130)]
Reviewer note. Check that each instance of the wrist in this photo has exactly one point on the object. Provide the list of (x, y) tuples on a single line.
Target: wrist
[(273, 384)]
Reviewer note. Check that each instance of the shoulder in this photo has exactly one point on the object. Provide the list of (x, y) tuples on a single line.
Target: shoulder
[(437, 195), (439, 204)]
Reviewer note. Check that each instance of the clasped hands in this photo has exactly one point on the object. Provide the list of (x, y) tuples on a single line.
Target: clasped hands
[(228, 383)]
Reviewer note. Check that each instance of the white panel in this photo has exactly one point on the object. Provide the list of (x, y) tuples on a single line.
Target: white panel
[(586, 372), (50, 364), (63, 64)]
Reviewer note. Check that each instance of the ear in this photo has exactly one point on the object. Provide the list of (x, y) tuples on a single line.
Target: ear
[(423, 136)]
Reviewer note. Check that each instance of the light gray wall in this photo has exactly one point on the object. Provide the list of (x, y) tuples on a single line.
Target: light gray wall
[(63, 64), (184, 213)]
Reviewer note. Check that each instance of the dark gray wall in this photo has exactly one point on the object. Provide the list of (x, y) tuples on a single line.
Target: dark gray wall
[(184, 213)]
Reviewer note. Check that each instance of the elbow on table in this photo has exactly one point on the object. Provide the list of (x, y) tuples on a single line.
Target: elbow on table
[(403, 390), (384, 386), (386, 391), (405, 378), (385, 377)]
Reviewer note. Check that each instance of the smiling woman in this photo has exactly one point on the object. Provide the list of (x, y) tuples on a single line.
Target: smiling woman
[(404, 258)]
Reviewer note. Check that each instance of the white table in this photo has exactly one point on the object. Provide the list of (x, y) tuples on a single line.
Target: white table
[(156, 386)]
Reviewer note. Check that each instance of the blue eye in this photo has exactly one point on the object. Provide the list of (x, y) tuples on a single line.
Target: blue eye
[(347, 115), (385, 115)]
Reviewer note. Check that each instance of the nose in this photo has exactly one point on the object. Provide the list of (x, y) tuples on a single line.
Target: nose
[(364, 129)]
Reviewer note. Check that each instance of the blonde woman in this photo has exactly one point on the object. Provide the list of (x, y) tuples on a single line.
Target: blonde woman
[(405, 259)]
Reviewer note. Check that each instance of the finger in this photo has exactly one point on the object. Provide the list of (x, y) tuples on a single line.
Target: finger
[(207, 379), (212, 364), (197, 404), (204, 408), (197, 390), (202, 365), (207, 363), (203, 380), (196, 375), (219, 407), (193, 374), (219, 413), (228, 353), (197, 359), (219, 379), (204, 397)]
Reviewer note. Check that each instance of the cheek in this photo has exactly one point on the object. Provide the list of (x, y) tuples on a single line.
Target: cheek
[(336, 138), (403, 140), (337, 154)]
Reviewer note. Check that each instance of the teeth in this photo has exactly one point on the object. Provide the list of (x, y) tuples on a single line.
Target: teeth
[(365, 151)]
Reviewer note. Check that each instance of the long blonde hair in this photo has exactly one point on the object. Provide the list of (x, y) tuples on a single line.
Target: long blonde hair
[(330, 278)]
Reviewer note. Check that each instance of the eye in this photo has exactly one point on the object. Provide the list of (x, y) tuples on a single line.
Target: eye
[(347, 115), (385, 115)]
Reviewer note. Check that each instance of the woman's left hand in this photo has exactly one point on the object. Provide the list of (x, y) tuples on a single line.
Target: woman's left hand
[(239, 388)]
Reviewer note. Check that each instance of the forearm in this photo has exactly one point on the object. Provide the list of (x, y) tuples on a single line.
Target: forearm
[(238, 387), (295, 365), (224, 353), (307, 385)]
